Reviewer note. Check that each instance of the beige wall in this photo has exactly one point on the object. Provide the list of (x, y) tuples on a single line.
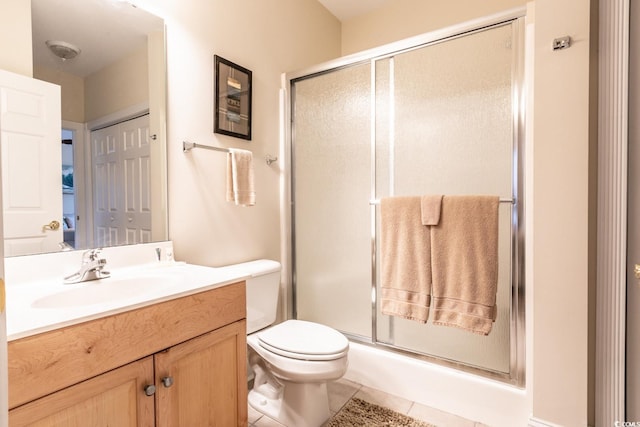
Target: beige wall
[(207, 230), (558, 378), (117, 86), (72, 92), (269, 37), (114, 88), (298, 33), (15, 37), (562, 220), (399, 19)]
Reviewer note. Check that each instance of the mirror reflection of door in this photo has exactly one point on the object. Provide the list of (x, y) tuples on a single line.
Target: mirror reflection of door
[(119, 73), (30, 142), (122, 183)]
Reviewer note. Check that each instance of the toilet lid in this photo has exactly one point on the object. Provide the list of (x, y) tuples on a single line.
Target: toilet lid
[(303, 340)]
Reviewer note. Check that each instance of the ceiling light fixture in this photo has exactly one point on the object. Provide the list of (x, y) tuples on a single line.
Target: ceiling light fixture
[(63, 50)]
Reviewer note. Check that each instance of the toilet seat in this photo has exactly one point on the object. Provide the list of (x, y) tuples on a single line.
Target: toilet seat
[(302, 340)]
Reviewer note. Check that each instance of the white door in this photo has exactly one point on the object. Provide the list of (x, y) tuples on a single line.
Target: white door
[(105, 171), (122, 191), (137, 179), (31, 164)]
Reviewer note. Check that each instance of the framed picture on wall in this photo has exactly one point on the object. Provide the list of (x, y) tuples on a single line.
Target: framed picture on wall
[(232, 99)]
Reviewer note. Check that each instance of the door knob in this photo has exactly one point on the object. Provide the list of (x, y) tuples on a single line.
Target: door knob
[(53, 226), (167, 381), (150, 390), (636, 270)]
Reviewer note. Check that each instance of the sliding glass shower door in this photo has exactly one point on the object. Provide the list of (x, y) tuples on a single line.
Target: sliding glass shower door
[(332, 186), (450, 131), (439, 118)]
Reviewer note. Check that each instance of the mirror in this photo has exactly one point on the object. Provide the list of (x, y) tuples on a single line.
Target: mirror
[(113, 97)]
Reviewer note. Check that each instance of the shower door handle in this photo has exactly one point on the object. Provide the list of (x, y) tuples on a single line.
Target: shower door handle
[(636, 270)]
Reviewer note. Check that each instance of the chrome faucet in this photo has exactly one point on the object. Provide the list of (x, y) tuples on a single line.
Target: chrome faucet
[(92, 268)]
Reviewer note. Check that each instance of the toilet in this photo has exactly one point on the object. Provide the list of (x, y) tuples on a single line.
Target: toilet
[(291, 361)]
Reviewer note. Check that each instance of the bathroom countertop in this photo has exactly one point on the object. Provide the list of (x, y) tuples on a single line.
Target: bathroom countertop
[(39, 306)]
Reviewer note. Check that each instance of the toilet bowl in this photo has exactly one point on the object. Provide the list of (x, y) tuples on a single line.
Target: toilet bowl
[(292, 363)]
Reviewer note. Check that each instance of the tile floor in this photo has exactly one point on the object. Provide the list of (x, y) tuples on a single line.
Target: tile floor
[(342, 390)]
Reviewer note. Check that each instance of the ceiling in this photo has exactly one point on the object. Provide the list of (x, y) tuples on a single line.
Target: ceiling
[(117, 24), (103, 30), (347, 9)]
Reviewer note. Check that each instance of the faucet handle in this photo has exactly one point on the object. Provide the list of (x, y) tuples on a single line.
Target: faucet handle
[(91, 255)]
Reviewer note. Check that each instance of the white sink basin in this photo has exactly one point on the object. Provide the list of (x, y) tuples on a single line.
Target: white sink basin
[(109, 289), (43, 305)]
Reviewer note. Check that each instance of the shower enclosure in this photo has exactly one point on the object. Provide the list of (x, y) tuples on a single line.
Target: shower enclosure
[(441, 114)]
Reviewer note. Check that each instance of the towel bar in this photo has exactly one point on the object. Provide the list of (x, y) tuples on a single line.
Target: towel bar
[(512, 201), (188, 146)]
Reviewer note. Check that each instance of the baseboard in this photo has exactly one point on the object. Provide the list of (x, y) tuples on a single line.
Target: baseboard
[(536, 422)]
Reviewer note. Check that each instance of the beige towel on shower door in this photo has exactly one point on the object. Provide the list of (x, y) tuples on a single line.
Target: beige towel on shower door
[(240, 185), (405, 276), (464, 248)]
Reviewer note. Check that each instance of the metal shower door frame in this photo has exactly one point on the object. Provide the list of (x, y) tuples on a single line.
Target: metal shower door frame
[(515, 18)]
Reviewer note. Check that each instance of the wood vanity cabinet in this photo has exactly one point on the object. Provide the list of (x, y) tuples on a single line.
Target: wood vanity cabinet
[(185, 366), (199, 381), (114, 398)]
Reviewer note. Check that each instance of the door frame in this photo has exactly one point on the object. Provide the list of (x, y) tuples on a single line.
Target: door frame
[(79, 176), (632, 354), (612, 181)]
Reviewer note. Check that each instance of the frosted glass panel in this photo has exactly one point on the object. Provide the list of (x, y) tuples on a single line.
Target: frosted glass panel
[(444, 126), (442, 117), (331, 191)]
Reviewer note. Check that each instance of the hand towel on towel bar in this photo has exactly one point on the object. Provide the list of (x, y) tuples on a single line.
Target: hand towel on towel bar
[(464, 249), (240, 186), (405, 257)]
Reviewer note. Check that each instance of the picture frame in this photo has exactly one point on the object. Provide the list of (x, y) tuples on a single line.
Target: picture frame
[(232, 110)]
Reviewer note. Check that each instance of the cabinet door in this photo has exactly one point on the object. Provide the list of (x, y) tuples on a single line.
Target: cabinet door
[(203, 382), (115, 398)]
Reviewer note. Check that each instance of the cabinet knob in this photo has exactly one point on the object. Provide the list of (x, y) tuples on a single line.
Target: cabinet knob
[(167, 381), (150, 390)]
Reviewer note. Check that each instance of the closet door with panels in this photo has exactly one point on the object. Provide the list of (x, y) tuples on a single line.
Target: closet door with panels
[(121, 183)]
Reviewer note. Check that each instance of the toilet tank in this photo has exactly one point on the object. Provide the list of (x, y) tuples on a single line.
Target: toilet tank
[(263, 288)]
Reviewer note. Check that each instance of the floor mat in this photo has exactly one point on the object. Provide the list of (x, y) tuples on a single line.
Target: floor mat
[(358, 412)]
